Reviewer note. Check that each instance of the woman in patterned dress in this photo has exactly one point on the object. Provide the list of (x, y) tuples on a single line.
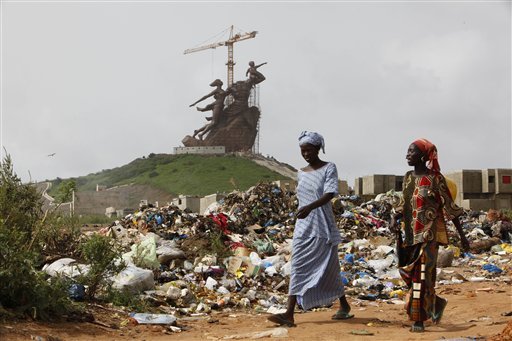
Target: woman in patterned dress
[(315, 275), (426, 201)]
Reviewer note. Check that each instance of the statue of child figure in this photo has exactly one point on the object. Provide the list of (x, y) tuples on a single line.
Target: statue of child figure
[(253, 73)]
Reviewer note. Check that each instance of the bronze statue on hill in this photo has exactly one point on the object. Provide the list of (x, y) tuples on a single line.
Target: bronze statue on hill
[(233, 126)]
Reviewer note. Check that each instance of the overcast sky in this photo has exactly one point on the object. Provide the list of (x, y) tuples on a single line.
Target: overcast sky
[(102, 83)]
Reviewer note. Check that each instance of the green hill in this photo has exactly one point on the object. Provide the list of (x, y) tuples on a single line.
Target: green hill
[(182, 174)]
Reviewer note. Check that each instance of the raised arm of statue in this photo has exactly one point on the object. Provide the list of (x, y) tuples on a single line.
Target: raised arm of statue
[(218, 88), (254, 75), (204, 97)]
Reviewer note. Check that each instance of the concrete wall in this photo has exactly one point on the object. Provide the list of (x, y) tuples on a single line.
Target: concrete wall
[(488, 180), (358, 186), (503, 201), (379, 183), (474, 190), (457, 178), (467, 181), (501, 186), (482, 189), (207, 200), (343, 187), (200, 150), (500, 202), (477, 204), (185, 201), (472, 181), (368, 184), (122, 197)]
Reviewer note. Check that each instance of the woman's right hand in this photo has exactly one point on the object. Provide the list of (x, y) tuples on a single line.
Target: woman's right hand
[(303, 212)]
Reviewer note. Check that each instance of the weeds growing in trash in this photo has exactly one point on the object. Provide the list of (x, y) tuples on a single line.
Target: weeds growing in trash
[(218, 246), (103, 255), (126, 299)]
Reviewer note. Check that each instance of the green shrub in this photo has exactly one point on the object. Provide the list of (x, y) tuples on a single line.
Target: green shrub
[(103, 255), (507, 214), (123, 298), (20, 205), (23, 288), (59, 237), (218, 244), (65, 191)]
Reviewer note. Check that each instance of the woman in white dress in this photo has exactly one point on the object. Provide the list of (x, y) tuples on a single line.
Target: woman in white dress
[(315, 277)]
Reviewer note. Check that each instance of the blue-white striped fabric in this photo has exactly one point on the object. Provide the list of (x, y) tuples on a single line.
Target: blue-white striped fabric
[(315, 276), (320, 222)]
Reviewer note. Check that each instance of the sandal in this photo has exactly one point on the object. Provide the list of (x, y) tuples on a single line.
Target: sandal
[(417, 327), (281, 320), (342, 315), (436, 318)]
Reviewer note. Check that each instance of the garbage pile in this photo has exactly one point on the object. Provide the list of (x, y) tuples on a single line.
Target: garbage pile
[(237, 255)]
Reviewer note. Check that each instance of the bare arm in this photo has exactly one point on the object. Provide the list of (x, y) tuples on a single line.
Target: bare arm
[(304, 211), (463, 240), (257, 66), (203, 98)]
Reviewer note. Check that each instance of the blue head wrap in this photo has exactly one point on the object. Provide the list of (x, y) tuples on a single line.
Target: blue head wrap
[(312, 138)]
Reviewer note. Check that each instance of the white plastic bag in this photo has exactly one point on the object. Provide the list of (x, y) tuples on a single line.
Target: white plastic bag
[(134, 279)]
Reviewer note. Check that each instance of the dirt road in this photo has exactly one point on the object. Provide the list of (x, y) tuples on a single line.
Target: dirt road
[(475, 310)]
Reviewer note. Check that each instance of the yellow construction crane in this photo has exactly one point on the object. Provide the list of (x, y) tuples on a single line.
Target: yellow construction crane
[(229, 43)]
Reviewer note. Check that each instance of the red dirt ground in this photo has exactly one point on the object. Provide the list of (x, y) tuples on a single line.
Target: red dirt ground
[(475, 310)]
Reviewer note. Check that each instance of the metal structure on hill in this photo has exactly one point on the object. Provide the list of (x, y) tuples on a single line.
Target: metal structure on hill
[(233, 38), (254, 100)]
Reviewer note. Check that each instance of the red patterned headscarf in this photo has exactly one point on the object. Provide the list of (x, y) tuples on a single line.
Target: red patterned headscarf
[(430, 151)]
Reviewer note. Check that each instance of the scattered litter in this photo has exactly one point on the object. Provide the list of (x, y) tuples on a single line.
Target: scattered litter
[(238, 254), (491, 268), (276, 332), (360, 332), (144, 318), (484, 289)]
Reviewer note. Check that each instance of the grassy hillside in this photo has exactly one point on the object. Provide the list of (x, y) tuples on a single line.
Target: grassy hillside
[(182, 174)]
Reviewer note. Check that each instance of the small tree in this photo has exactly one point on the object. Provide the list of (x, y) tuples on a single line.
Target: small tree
[(103, 255), (20, 204), (22, 286), (65, 191)]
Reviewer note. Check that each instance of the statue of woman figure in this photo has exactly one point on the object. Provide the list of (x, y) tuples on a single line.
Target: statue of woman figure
[(216, 107)]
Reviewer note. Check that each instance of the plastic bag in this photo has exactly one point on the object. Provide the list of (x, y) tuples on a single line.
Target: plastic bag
[(134, 279), (143, 254)]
